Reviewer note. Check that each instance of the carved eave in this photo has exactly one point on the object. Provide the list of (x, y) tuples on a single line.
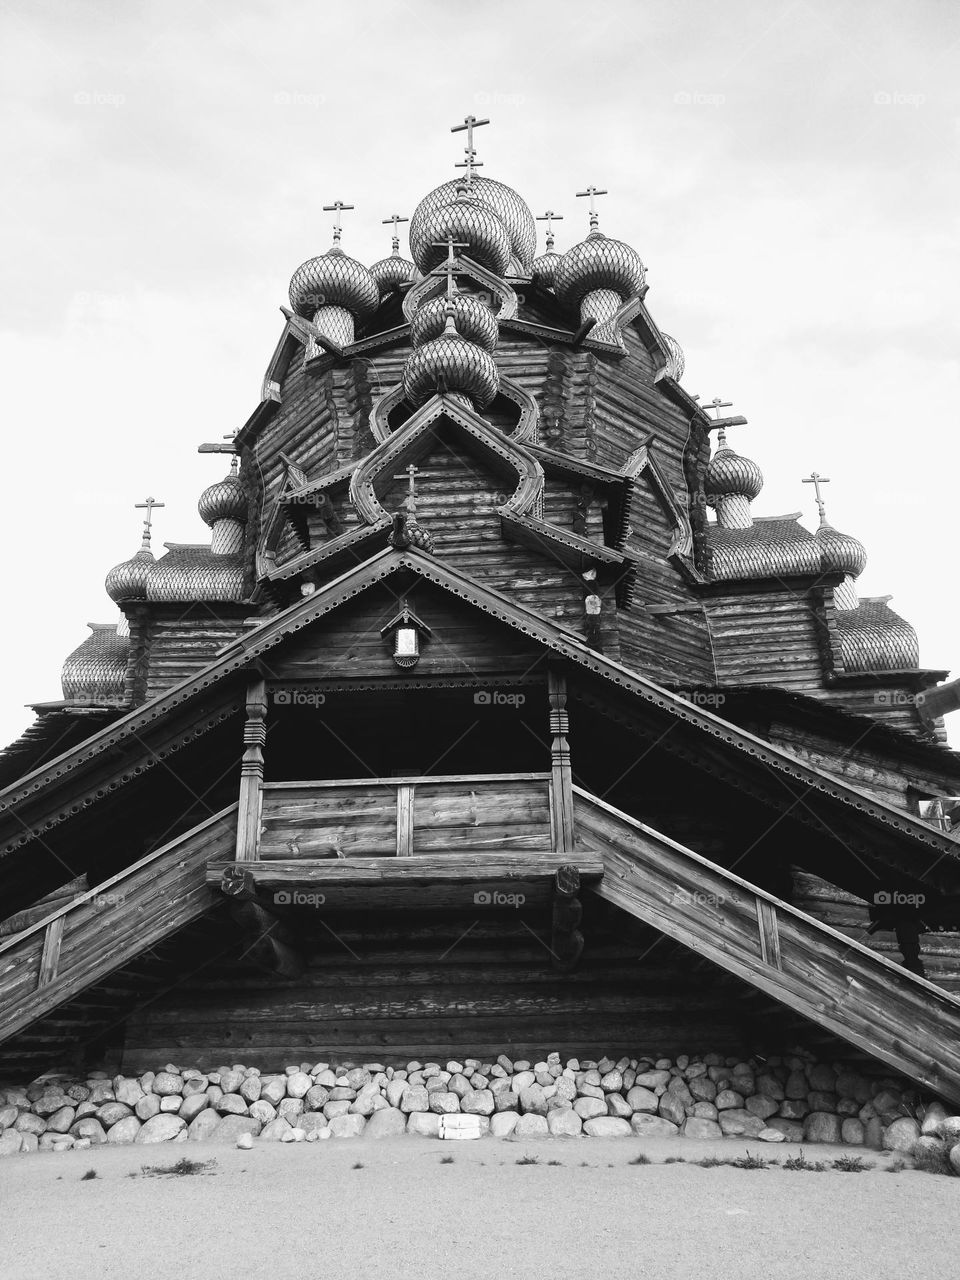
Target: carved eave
[(50, 793), (524, 430), (432, 285), (569, 549)]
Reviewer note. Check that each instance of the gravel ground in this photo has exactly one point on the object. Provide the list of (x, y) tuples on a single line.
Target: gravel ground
[(285, 1211)]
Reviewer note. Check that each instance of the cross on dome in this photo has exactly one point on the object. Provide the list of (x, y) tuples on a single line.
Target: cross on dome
[(410, 473), (550, 218), (395, 219), (469, 124), (338, 207), (593, 192), (147, 506), (449, 264), (816, 479)]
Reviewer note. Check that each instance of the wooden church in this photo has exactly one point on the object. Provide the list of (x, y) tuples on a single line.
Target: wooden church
[(492, 718)]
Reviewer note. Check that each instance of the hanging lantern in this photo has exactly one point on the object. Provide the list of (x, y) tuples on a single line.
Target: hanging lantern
[(408, 635)]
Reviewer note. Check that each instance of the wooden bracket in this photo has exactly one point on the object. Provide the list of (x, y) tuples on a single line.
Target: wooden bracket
[(567, 938), (263, 933)]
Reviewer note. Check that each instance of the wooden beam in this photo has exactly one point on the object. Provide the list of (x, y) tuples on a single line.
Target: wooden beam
[(405, 794), (251, 772), (264, 935), (50, 958), (769, 933), (567, 939), (561, 781)]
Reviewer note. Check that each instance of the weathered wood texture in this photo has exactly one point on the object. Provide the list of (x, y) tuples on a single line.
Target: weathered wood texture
[(183, 638), (831, 979), (83, 941)]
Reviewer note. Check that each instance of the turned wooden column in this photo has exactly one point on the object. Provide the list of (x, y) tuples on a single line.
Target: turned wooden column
[(251, 772), (561, 782)]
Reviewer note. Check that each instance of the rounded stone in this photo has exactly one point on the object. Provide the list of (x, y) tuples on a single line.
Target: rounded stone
[(771, 1135), (165, 1083), (590, 1108), (61, 1120), (647, 1126), (425, 1124), (740, 1124), (89, 1128), (564, 1124), (231, 1127), (478, 1102), (203, 1126), (695, 1127), (274, 1130), (821, 1126), (161, 1128), (388, 1123), (901, 1135), (443, 1102), (348, 1126), (299, 1084), (852, 1132), (124, 1131), (531, 1126), (758, 1105)]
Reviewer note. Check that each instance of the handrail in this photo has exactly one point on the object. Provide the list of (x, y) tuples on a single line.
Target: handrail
[(472, 778), (804, 919), (81, 898)]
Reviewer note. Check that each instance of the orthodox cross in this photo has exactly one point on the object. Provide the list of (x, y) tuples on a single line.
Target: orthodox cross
[(450, 263), (411, 472), (550, 218), (395, 219), (717, 404), (338, 207), (469, 124), (147, 506), (593, 192), (816, 479), (229, 447)]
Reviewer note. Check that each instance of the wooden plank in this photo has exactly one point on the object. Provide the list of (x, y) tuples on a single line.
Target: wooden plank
[(405, 797), (883, 1009), (50, 959), (419, 868), (434, 779), (769, 934)]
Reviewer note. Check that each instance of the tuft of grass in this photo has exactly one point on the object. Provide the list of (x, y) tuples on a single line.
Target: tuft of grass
[(446, 1159), (556, 1164), (898, 1166), (184, 1168), (91, 1173), (710, 1162), (851, 1164), (749, 1161), (640, 1159), (358, 1165), (585, 1165), (675, 1160), (528, 1160), (801, 1162)]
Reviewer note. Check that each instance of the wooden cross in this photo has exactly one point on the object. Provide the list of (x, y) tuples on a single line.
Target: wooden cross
[(449, 265), (338, 206), (469, 124), (147, 506), (593, 192), (229, 447), (816, 479), (718, 422), (411, 472), (550, 218), (395, 219), (717, 404)]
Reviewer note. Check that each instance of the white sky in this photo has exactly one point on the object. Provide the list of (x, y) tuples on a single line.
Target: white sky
[(787, 171)]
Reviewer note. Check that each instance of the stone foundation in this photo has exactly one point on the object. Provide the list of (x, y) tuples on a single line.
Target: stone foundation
[(777, 1099)]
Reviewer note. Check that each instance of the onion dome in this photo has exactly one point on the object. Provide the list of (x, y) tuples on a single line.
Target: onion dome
[(676, 363), (501, 200), (95, 671), (839, 552), (333, 280), (390, 273), (599, 263), (224, 500), (467, 222), (450, 364), (128, 580), (473, 320), (730, 483), (545, 268)]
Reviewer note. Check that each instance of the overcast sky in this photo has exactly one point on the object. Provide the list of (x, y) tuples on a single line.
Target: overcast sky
[(787, 171)]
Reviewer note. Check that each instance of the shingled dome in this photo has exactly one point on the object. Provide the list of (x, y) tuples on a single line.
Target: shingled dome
[(507, 206)]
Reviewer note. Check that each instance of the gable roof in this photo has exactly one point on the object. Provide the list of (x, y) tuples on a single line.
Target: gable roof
[(247, 649)]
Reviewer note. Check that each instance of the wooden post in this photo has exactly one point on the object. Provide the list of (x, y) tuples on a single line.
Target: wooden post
[(567, 939), (50, 959), (561, 782), (405, 794), (251, 772)]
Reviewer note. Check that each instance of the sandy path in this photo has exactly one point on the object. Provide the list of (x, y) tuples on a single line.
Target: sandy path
[(283, 1211)]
